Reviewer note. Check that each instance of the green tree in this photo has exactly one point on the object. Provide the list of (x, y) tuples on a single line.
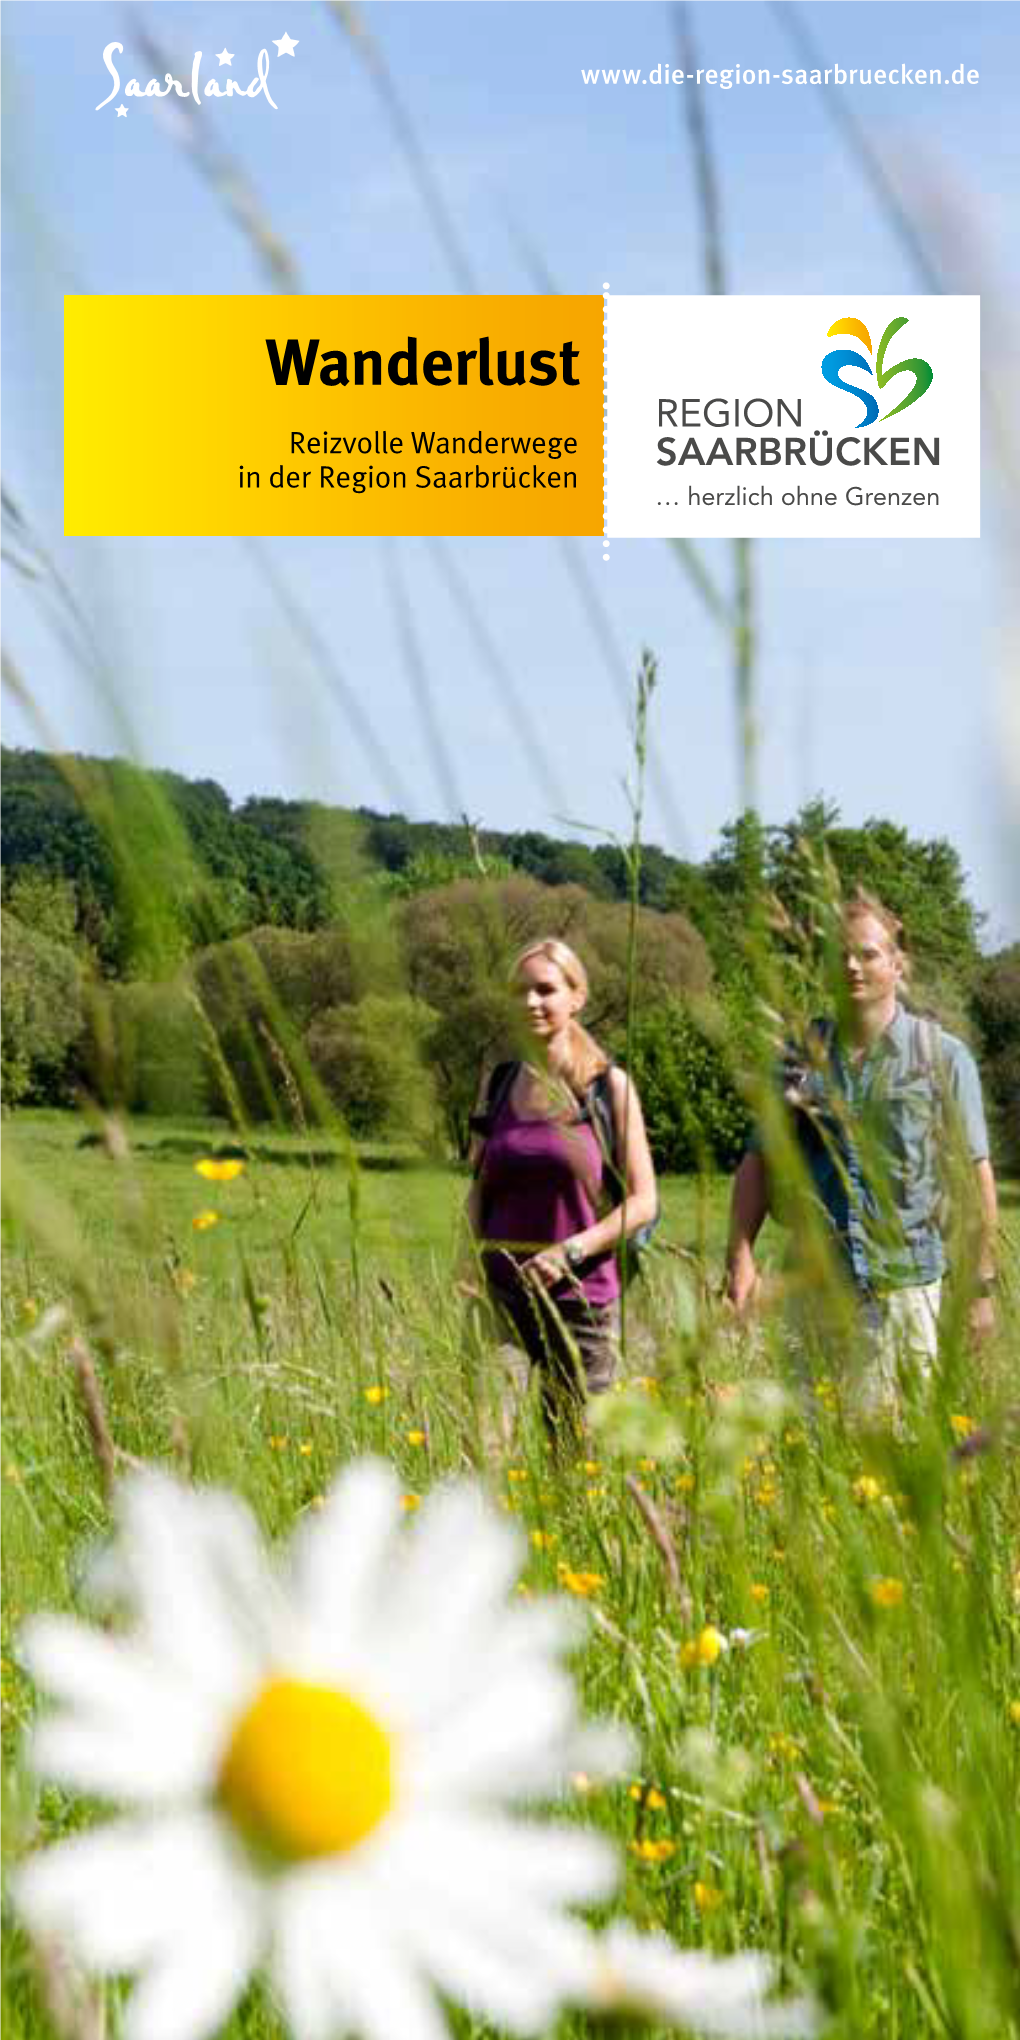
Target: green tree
[(694, 1114), (41, 1016), (996, 1008), (370, 1061)]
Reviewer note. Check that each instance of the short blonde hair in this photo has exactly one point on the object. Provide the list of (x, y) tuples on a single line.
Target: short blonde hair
[(585, 1058), (867, 906)]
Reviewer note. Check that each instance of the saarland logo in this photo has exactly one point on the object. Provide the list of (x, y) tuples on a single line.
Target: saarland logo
[(847, 357), (228, 88)]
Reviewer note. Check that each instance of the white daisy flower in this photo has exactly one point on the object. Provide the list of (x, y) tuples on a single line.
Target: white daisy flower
[(645, 1976), (315, 1770)]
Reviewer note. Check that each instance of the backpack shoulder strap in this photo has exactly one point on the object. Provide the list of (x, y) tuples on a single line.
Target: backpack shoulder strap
[(497, 1090), (599, 1098), (822, 1032), (925, 1045)]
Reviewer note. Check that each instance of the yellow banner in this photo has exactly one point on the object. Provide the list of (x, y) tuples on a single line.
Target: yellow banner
[(307, 415)]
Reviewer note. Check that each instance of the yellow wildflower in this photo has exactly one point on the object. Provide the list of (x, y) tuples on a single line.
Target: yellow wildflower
[(306, 1448), (887, 1593), (652, 1852), (592, 1466), (376, 1394), (416, 1437), (962, 1424), (595, 1494), (759, 1592), (686, 1483), (636, 1791), (410, 1502), (704, 1649), (204, 1220), (29, 1309), (707, 1897), (580, 1583), (517, 1473), (214, 1171), (543, 1540), (1014, 1713), (785, 1748), (866, 1489), (655, 1800), (647, 1465)]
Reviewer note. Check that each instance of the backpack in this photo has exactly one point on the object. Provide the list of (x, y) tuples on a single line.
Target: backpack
[(597, 1109)]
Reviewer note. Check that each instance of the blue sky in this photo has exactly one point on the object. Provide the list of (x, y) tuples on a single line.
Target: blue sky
[(879, 674)]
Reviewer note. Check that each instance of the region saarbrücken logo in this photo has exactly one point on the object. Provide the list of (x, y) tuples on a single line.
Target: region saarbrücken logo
[(883, 371)]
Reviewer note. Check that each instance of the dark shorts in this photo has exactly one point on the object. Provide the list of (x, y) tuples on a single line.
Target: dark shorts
[(575, 1343)]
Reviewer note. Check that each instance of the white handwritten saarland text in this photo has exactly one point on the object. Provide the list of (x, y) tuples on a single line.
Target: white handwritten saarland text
[(229, 89)]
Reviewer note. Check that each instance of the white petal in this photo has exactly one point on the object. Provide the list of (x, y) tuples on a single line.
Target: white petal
[(190, 1990), (460, 1566), (715, 1996), (339, 1558), (479, 1903), (206, 1599), (136, 1891), (509, 1743), (131, 1731), (339, 1967), (516, 1970), (461, 1854)]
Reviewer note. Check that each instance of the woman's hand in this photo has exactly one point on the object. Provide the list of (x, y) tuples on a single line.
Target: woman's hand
[(546, 1269)]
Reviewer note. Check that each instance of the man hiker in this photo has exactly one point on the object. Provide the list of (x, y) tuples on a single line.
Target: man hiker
[(878, 1110)]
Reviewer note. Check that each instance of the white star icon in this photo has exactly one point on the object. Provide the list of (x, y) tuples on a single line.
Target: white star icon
[(225, 57), (285, 47), (122, 113)]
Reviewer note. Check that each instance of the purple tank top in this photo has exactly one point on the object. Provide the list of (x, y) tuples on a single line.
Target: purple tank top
[(540, 1183)]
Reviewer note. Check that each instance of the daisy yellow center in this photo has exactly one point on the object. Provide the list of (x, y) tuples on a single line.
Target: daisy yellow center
[(308, 1771)]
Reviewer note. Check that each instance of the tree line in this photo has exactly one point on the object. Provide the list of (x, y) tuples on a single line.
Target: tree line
[(169, 951)]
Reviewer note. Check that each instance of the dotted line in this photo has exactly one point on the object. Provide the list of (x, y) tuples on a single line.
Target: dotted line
[(605, 422)]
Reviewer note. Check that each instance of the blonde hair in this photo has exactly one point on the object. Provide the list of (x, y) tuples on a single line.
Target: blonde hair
[(863, 906), (585, 1059)]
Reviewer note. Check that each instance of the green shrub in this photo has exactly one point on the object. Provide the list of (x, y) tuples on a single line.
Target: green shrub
[(149, 1051), (995, 1006), (41, 1016), (369, 1060), (693, 1111)]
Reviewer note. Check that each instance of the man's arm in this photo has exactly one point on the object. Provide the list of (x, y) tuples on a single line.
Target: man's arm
[(965, 1088), (982, 1314), (748, 1211)]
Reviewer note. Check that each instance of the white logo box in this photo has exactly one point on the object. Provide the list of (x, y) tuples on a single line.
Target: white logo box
[(767, 352)]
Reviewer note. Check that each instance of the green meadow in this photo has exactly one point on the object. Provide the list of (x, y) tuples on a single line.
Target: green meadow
[(813, 1636)]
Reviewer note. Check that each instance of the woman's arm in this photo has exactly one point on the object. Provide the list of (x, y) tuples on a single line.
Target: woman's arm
[(748, 1211)]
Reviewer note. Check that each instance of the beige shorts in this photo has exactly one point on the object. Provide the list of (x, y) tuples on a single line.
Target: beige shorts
[(901, 1341), (875, 1346)]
